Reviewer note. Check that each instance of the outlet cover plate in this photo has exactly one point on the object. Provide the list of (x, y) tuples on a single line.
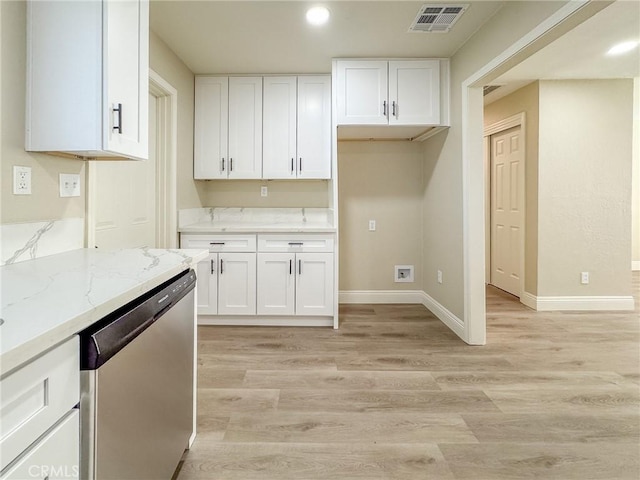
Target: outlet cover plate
[(21, 180)]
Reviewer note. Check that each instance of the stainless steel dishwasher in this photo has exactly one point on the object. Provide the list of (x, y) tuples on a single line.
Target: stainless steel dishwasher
[(137, 374)]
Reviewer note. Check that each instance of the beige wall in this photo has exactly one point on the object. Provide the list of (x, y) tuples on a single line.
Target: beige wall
[(246, 193), (635, 204), (524, 100), (443, 191), (44, 203), (379, 181), (167, 64), (584, 199)]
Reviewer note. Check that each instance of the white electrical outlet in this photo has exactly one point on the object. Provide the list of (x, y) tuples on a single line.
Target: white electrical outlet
[(372, 225), (21, 180), (584, 278), (69, 185), (439, 276), (264, 191)]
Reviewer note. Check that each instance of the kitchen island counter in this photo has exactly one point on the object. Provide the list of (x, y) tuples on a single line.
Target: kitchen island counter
[(47, 300)]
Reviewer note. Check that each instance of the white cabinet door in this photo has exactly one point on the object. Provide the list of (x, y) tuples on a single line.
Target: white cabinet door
[(314, 285), (127, 76), (207, 285), (237, 284), (276, 284), (414, 92), (314, 126), (362, 92), (210, 158), (55, 456), (245, 127), (279, 128)]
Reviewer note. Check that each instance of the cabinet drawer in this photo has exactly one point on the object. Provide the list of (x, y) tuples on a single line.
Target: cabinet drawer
[(220, 243), (55, 456), (295, 243), (36, 396)]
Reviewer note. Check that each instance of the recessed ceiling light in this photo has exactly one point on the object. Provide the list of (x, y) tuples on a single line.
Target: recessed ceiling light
[(317, 15), (623, 47)]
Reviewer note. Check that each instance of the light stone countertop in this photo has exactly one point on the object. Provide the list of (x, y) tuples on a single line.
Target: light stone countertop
[(256, 220), (47, 300)]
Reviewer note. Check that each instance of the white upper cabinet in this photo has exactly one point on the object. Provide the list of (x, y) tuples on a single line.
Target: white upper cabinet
[(280, 159), (272, 127), (314, 126), (87, 93), (414, 92), (210, 147), (228, 128), (398, 92), (362, 92), (245, 127)]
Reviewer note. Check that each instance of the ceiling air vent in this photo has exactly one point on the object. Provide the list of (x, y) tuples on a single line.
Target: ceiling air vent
[(487, 89), (437, 18)]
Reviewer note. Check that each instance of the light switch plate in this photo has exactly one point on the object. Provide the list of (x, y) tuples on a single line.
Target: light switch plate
[(69, 185)]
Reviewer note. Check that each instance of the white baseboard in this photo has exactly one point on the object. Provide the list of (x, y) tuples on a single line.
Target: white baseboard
[(578, 303), (380, 296), (407, 297), (529, 300), (254, 321), (635, 265), (445, 316)]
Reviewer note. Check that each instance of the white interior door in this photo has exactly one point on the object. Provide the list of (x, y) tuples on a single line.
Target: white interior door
[(507, 210), (125, 198)]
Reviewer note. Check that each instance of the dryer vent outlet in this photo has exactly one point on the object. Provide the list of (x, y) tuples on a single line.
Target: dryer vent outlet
[(403, 273)]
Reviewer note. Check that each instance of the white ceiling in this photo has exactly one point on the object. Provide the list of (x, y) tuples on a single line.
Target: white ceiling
[(581, 53), (273, 37)]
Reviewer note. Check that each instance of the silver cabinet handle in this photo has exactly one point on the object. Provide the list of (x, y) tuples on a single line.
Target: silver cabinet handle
[(223, 164), (221, 265), (299, 267), (393, 109), (296, 243), (213, 269), (118, 109), (231, 164), (384, 108)]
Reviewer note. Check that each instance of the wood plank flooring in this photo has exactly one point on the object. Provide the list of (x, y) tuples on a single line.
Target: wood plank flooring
[(394, 394)]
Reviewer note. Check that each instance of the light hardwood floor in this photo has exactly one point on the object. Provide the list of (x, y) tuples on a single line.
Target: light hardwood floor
[(394, 394)]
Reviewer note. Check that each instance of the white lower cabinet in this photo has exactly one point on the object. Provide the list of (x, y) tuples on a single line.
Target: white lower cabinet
[(295, 284), (265, 277), (40, 437), (54, 457), (227, 284)]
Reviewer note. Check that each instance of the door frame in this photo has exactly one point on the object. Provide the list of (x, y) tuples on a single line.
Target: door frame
[(166, 167), (517, 120)]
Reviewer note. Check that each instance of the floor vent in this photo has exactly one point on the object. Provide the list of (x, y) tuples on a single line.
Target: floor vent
[(437, 18)]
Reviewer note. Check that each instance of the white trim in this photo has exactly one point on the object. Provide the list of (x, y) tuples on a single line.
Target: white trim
[(529, 300), (445, 316), (579, 303), (472, 164), (249, 320), (517, 120), (635, 265), (166, 160), (381, 296)]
